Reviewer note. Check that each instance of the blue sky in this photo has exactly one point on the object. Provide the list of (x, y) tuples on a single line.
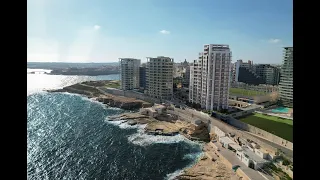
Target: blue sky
[(105, 30)]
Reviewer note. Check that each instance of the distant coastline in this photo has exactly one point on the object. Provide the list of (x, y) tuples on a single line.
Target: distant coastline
[(84, 69)]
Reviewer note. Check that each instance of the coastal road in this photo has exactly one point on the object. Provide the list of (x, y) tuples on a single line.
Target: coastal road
[(234, 160), (228, 128)]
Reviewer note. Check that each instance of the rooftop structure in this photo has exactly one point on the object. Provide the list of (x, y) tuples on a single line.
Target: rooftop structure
[(252, 156)]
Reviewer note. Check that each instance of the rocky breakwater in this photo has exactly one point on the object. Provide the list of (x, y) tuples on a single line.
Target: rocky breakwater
[(90, 89)]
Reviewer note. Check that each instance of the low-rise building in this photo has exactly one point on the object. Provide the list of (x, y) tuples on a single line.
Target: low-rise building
[(218, 132), (261, 153), (250, 159), (153, 111)]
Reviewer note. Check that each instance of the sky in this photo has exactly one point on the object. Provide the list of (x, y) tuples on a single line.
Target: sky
[(105, 30)]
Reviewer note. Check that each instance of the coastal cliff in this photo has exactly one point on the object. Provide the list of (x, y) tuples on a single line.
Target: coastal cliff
[(91, 90)]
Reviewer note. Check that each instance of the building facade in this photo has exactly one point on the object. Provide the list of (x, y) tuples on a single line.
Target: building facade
[(142, 76), (159, 75), (129, 73), (269, 73), (245, 73), (210, 77), (286, 78), (186, 78)]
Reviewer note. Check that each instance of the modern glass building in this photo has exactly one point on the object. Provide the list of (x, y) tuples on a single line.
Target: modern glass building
[(286, 78)]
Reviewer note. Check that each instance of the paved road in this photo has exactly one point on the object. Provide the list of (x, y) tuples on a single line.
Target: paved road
[(228, 128), (234, 160)]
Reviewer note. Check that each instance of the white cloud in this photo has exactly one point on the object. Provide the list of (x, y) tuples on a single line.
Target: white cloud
[(274, 41), (164, 32), (96, 27)]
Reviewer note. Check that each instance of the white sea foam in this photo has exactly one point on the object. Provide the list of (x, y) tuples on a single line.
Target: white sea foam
[(171, 176), (116, 122), (193, 156), (93, 100), (142, 139)]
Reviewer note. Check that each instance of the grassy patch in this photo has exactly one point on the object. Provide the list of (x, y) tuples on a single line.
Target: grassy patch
[(245, 92), (113, 85), (277, 126)]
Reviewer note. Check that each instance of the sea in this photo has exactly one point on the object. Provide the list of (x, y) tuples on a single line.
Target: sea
[(69, 137)]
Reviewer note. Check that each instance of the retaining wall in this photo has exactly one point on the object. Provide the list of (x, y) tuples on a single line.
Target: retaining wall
[(238, 124), (192, 115), (260, 132)]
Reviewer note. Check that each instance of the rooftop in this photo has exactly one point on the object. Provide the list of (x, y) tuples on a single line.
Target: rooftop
[(253, 156), (226, 140)]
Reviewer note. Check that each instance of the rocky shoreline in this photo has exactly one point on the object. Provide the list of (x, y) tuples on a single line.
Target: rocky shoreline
[(169, 127), (91, 89), (162, 124)]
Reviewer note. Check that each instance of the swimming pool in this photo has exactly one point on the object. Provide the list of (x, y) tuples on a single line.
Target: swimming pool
[(280, 110)]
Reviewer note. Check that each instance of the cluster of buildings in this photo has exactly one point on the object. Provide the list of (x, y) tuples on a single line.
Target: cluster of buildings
[(255, 74), (251, 154), (208, 79), (154, 78)]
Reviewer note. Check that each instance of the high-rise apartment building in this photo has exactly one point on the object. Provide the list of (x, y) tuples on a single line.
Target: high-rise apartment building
[(268, 73), (286, 78), (186, 78), (129, 73), (160, 77), (245, 73), (143, 77), (210, 77)]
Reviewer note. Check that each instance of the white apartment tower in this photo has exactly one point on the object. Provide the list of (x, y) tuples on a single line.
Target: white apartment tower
[(129, 73), (159, 78), (210, 77)]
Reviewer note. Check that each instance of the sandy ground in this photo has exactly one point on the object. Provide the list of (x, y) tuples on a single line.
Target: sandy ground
[(209, 169)]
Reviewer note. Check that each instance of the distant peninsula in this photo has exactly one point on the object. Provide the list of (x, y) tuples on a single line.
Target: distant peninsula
[(86, 71)]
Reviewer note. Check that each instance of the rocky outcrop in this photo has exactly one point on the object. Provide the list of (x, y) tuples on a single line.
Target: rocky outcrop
[(196, 132), (208, 167), (120, 102), (105, 98)]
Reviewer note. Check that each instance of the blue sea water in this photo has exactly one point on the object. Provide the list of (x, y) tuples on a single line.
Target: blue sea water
[(69, 137)]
